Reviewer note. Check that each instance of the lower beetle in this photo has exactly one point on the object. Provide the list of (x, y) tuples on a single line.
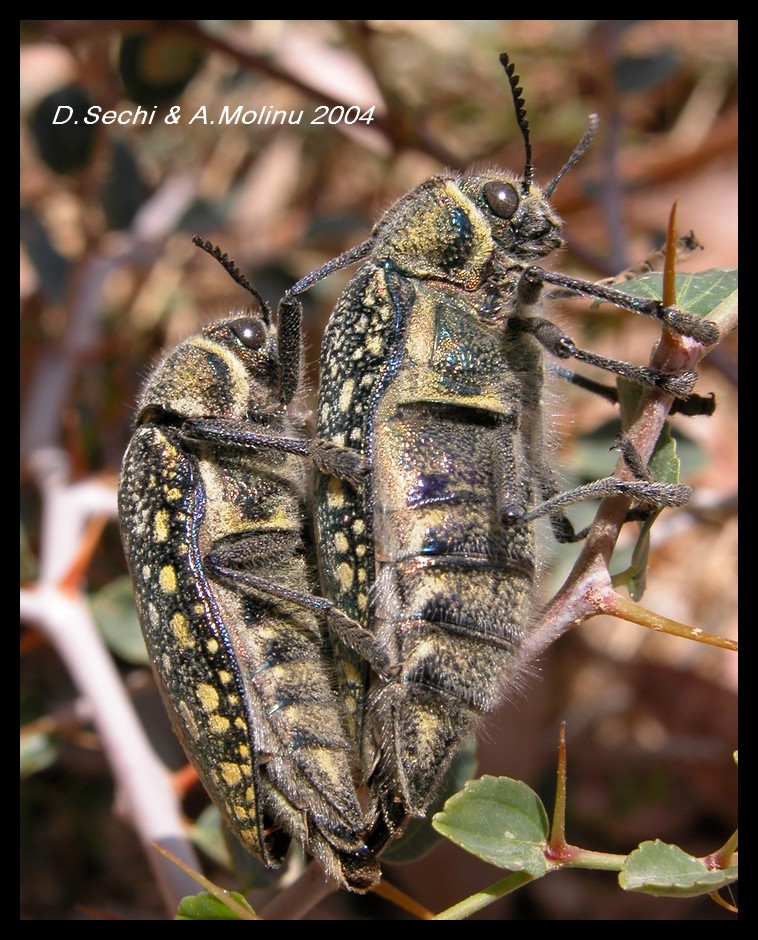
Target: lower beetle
[(211, 504)]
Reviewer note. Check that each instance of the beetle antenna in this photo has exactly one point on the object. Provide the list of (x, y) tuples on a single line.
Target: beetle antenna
[(231, 268), (523, 124), (580, 148)]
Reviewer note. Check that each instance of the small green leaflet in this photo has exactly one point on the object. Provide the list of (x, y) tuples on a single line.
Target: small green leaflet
[(500, 820), (204, 906), (667, 871)]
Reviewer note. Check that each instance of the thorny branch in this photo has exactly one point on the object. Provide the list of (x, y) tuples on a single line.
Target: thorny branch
[(588, 591)]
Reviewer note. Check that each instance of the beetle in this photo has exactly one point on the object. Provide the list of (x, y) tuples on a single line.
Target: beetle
[(212, 510), (432, 370)]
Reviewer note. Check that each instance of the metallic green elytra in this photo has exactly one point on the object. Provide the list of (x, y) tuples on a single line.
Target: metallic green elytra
[(432, 370), (212, 508)]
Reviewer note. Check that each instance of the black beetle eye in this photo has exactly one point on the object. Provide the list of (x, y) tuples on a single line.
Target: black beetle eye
[(250, 332), (502, 198)]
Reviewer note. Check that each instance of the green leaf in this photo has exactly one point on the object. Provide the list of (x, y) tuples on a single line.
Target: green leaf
[(665, 467), (664, 463), (115, 614), (37, 753), (204, 906), (594, 458), (420, 836), (696, 293), (500, 820), (214, 839), (207, 833), (630, 396), (635, 575), (667, 871)]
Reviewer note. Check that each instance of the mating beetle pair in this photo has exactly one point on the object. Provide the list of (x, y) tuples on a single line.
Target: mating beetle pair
[(313, 638)]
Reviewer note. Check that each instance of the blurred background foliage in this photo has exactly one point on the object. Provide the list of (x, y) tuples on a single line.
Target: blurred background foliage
[(109, 277)]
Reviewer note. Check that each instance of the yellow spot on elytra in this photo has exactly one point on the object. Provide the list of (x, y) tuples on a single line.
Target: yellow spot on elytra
[(231, 773), (173, 495), (359, 526), (239, 723), (360, 550), (346, 395), (212, 645), (225, 676), (218, 724), (167, 579), (244, 751), (362, 601), (374, 344), (335, 495), (180, 629), (208, 697), (160, 525), (345, 576), (340, 542)]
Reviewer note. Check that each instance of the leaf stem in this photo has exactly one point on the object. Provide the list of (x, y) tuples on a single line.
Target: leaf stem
[(476, 902), (723, 857)]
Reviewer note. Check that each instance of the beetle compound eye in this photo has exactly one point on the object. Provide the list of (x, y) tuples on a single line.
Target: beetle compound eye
[(251, 333), (502, 198)]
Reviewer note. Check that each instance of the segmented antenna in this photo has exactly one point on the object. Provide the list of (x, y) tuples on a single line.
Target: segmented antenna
[(231, 268), (523, 124), (580, 148)]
